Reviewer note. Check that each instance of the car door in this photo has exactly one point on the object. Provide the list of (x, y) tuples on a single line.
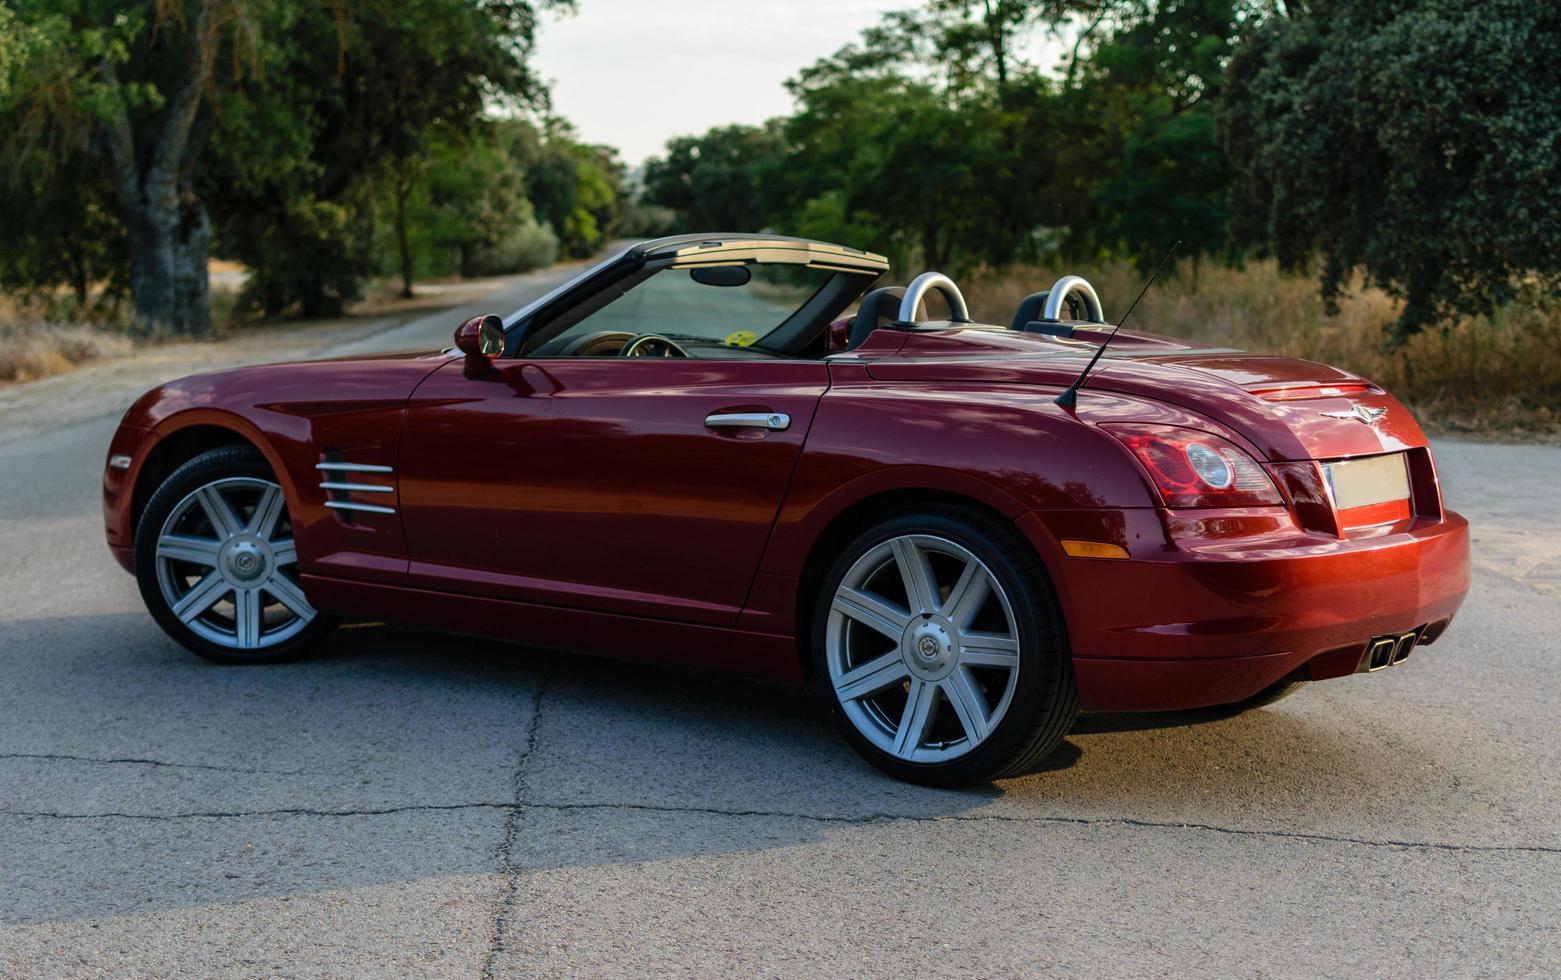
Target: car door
[(635, 485)]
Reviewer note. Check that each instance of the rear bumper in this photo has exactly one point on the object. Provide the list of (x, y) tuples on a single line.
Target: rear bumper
[(1211, 622)]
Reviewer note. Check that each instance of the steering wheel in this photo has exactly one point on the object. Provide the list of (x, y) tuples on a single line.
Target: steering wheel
[(601, 343), (651, 345)]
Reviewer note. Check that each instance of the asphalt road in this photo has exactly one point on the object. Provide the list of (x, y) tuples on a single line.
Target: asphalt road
[(410, 804)]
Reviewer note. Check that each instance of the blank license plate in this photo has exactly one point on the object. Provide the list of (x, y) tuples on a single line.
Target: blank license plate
[(1363, 482)]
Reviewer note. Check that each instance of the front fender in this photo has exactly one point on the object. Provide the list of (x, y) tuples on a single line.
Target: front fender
[(296, 415)]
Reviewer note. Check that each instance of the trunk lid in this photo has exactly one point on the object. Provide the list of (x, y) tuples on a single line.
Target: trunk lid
[(1288, 408)]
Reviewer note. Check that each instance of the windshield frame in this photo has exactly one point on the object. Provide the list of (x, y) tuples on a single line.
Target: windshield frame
[(538, 322)]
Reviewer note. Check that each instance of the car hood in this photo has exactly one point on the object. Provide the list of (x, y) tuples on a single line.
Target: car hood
[(1288, 408)]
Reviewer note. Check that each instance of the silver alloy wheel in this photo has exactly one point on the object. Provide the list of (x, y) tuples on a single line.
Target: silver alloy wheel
[(225, 565), (922, 648)]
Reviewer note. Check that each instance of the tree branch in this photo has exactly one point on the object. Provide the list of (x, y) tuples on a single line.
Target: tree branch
[(120, 141), (1078, 43), (169, 153)]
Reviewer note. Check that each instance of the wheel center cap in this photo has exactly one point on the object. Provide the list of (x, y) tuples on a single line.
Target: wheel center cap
[(930, 649), (245, 560)]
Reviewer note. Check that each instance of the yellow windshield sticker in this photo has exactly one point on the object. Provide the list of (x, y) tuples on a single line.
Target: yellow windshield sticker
[(741, 338)]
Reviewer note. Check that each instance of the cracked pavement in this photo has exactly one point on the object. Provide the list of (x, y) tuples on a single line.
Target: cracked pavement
[(413, 804)]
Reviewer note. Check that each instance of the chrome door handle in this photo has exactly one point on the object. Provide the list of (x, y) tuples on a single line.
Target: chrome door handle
[(774, 421)]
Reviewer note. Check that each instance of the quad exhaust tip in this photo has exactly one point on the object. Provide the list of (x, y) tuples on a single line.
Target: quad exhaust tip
[(1389, 650)]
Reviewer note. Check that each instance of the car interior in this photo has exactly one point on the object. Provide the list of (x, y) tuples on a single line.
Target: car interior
[(752, 308)]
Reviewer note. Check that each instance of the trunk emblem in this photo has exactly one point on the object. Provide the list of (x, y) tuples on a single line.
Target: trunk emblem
[(1359, 413)]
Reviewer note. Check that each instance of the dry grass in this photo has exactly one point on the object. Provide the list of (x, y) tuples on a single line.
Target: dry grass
[(1495, 378), (1498, 377), (37, 349)]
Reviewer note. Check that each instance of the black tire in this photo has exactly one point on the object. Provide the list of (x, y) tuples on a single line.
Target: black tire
[(1045, 699), (216, 464)]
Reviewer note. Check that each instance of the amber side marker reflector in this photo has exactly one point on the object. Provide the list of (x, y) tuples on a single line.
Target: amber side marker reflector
[(1093, 549)]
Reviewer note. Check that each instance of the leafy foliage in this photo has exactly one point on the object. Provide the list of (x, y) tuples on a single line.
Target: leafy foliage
[(1412, 140), (59, 227), (576, 188), (316, 143), (722, 180), (932, 136), (1416, 141), (320, 144), (467, 212), (358, 117)]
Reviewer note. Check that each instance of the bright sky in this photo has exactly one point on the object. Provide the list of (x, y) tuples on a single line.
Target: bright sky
[(632, 73)]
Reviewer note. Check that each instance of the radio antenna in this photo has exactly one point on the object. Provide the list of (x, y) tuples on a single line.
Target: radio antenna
[(1070, 398)]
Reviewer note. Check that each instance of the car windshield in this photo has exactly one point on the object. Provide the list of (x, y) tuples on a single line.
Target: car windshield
[(690, 305), (560, 290)]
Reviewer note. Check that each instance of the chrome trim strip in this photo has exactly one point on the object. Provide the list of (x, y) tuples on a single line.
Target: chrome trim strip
[(365, 487), (773, 421), (119, 462), (354, 467), (370, 508)]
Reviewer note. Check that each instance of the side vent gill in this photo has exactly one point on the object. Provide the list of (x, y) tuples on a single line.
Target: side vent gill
[(348, 488)]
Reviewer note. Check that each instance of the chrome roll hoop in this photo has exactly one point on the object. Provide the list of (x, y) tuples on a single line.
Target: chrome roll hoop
[(1077, 286), (922, 284)]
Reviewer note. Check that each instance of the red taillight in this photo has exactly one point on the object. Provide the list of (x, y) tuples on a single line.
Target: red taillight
[(1196, 469)]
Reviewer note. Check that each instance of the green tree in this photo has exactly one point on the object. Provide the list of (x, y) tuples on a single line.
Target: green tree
[(59, 226), (1144, 106), (575, 187), (13, 45), (1413, 140), (356, 100), (468, 214), (270, 114), (939, 161), (127, 86), (721, 181)]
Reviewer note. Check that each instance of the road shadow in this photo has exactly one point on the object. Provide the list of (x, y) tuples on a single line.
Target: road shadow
[(135, 777)]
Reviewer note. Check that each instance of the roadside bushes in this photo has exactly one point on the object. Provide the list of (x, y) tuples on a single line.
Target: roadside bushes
[(307, 260), (36, 350), (528, 246)]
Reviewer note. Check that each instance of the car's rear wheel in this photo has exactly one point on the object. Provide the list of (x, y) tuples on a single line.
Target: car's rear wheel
[(939, 649), (216, 563)]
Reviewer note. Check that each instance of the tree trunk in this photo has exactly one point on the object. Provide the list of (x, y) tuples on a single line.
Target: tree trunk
[(80, 280), (167, 227), (931, 253), (401, 240), (170, 239), (997, 32)]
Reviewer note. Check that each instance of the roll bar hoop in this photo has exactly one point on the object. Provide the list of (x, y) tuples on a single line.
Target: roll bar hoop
[(928, 281), (1080, 287)]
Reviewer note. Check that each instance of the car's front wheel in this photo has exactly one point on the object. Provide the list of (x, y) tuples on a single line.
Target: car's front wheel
[(216, 563), (939, 647)]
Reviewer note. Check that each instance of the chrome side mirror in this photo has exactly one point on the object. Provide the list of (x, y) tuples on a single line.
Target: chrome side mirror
[(481, 339)]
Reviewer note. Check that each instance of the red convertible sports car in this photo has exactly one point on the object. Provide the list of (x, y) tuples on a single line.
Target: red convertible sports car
[(687, 455)]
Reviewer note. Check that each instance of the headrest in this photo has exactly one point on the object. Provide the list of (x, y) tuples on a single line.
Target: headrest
[(880, 304), (1027, 317), (1029, 309)]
